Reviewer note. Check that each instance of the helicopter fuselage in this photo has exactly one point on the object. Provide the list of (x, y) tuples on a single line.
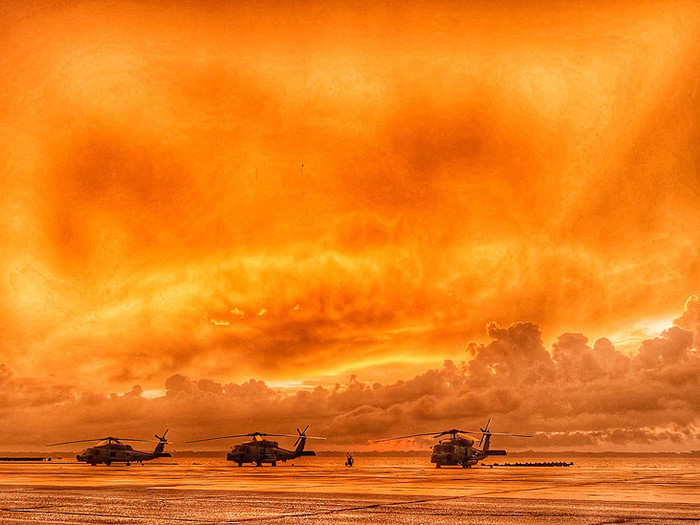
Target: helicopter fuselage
[(116, 453), (265, 451), (460, 451)]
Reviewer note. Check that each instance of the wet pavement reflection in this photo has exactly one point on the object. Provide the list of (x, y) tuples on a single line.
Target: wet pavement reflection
[(375, 490)]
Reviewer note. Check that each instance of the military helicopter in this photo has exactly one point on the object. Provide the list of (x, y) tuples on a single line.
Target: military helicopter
[(260, 450), (459, 448), (111, 450)]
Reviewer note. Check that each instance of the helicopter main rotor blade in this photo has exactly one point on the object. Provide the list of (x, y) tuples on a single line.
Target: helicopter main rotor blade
[(498, 433), (403, 437), (71, 442), (292, 436), (454, 431), (509, 434), (218, 437), (252, 434), (458, 431), (97, 439), (112, 438), (490, 433)]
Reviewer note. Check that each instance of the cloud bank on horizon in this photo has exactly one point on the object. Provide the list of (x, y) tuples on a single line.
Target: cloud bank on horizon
[(573, 395)]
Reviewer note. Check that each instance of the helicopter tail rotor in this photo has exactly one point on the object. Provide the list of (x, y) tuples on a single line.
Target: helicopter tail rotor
[(484, 432), (301, 442), (160, 446), (486, 437), (302, 435)]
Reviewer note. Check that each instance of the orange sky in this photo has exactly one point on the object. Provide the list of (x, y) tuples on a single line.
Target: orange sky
[(461, 166)]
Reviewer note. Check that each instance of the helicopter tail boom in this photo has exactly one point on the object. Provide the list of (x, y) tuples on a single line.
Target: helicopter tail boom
[(162, 441), (301, 442)]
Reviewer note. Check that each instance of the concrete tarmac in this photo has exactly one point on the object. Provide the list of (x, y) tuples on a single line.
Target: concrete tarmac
[(377, 490)]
